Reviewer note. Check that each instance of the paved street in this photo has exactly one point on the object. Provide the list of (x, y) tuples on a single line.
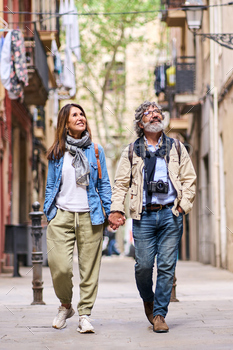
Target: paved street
[(203, 318)]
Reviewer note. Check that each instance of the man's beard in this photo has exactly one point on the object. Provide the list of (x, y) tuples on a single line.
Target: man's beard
[(151, 127)]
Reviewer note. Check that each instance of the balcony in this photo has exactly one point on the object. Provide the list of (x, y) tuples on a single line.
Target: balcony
[(36, 93), (186, 82), (180, 84), (185, 74), (179, 125), (173, 18), (47, 24), (49, 30)]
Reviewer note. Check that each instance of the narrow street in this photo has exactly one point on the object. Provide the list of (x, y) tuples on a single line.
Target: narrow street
[(202, 319)]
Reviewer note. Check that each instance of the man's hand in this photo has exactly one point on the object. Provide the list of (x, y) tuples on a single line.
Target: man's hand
[(116, 219), (180, 210)]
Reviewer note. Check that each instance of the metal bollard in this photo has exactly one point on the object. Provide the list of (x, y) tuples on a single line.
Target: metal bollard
[(37, 254)]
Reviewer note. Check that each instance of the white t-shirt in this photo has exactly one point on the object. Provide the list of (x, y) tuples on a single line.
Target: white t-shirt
[(71, 197)]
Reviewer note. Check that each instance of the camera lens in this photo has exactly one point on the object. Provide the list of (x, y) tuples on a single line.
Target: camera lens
[(160, 185)]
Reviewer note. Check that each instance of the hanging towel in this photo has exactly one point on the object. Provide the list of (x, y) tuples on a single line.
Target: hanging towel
[(69, 73), (70, 24)]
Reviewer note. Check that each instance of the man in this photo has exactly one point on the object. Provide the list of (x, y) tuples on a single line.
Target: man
[(162, 183)]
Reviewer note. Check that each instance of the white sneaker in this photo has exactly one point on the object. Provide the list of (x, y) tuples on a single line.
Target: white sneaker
[(85, 325), (59, 321)]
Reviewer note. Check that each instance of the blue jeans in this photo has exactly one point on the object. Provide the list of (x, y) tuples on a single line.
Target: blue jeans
[(156, 234), (112, 247)]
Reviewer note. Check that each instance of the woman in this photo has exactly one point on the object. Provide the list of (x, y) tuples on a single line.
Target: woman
[(74, 197)]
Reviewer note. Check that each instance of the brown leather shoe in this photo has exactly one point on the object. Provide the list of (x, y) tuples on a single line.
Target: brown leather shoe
[(160, 325), (148, 306)]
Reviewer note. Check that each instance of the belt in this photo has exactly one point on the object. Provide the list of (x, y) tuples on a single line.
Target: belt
[(156, 207)]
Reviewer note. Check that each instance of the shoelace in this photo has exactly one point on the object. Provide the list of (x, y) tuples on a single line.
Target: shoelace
[(161, 318), (61, 313)]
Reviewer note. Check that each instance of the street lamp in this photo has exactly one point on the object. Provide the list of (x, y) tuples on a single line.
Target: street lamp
[(194, 16)]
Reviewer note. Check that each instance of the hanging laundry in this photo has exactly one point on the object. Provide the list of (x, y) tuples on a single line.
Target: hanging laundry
[(19, 74), (162, 78), (5, 69), (56, 56), (69, 73), (1, 46), (160, 82), (12, 96), (171, 76), (70, 24), (74, 32), (64, 8), (13, 68)]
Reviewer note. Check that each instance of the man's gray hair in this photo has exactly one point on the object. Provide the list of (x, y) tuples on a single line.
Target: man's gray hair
[(139, 114)]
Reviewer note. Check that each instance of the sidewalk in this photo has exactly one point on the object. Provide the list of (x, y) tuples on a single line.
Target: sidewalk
[(202, 320)]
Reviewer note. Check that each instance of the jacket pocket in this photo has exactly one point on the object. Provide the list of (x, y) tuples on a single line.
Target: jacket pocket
[(133, 196), (94, 171)]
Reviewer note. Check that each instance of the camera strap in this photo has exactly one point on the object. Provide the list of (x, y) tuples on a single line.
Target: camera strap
[(150, 159), (150, 155), (149, 162)]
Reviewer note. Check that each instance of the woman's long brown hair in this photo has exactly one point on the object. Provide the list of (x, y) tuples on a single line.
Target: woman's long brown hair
[(57, 150)]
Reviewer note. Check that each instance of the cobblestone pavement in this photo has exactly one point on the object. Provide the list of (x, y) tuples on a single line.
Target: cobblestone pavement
[(202, 319)]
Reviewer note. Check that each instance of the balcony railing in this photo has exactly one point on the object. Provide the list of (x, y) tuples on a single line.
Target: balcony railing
[(176, 83), (185, 74), (41, 12), (47, 21), (173, 18)]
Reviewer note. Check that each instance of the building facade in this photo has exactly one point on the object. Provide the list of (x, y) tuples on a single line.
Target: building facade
[(27, 125), (206, 65)]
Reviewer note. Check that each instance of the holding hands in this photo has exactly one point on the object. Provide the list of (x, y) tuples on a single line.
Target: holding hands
[(116, 219)]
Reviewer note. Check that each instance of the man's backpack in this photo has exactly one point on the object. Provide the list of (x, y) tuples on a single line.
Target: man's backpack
[(130, 156)]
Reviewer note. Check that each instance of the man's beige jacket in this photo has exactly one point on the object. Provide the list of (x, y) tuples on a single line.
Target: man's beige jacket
[(182, 176)]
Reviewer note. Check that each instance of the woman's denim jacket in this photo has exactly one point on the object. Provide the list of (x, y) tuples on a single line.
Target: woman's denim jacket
[(98, 191)]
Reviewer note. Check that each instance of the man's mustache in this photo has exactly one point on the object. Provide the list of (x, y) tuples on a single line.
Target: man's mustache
[(155, 119)]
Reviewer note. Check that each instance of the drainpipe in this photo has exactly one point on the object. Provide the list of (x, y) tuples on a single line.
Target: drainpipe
[(214, 145)]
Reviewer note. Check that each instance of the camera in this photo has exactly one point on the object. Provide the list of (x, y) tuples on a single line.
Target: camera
[(157, 187)]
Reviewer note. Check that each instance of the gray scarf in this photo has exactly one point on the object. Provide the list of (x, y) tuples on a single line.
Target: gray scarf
[(80, 161)]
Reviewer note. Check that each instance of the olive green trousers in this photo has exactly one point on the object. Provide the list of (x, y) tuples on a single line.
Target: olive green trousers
[(62, 232)]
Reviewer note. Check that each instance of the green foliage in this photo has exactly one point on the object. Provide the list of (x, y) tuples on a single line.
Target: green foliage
[(102, 38)]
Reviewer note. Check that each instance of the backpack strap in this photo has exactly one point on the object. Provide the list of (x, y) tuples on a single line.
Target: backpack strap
[(98, 160), (178, 148), (130, 156)]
